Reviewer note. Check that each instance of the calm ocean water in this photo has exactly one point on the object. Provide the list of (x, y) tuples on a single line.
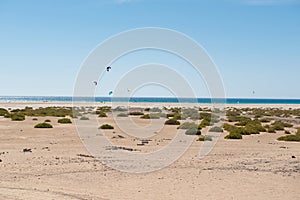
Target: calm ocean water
[(146, 99)]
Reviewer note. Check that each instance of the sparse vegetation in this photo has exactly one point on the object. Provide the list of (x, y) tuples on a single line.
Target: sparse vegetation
[(291, 138), (3, 112), (102, 114), (204, 123), (151, 116), (136, 113), (234, 135), (47, 120), (120, 109), (122, 115), (17, 117), (204, 138), (64, 121), (103, 109), (287, 132), (84, 118), (172, 121), (216, 129), (193, 131), (106, 126), (43, 125), (34, 119), (188, 125)]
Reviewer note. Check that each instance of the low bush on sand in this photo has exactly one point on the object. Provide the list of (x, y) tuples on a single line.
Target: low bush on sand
[(43, 125), (84, 118), (3, 111), (172, 121), (193, 131), (17, 117), (233, 136), (292, 138), (136, 113), (106, 126), (205, 138), (122, 115), (204, 123), (64, 121), (102, 114), (216, 129), (188, 125), (151, 116)]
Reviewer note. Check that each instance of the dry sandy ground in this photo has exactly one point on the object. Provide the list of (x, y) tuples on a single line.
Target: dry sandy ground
[(257, 167)]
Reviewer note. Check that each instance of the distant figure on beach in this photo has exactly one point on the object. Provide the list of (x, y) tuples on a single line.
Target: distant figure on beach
[(108, 68)]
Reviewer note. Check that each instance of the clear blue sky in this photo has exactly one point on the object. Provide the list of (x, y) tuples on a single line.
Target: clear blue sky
[(254, 43)]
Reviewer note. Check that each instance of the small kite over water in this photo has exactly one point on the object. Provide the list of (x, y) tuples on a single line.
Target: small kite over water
[(95, 82), (108, 68), (110, 93)]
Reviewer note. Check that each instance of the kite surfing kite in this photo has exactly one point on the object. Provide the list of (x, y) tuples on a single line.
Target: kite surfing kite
[(96, 83), (108, 68), (110, 93)]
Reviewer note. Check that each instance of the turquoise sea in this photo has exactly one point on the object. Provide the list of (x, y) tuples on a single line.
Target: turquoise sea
[(146, 99)]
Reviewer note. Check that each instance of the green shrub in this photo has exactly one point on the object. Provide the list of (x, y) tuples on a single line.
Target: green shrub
[(103, 109), (122, 115), (34, 119), (3, 112), (191, 113), (151, 116), (106, 126), (216, 129), (271, 129), (47, 120), (265, 120), (136, 113), (204, 123), (254, 127), (178, 116), (169, 115), (172, 121), (43, 125), (293, 138), (102, 114), (120, 109), (193, 131), (8, 115), (64, 121), (287, 132), (84, 118), (209, 117), (155, 109), (17, 117), (279, 125), (188, 125), (205, 138), (298, 132), (234, 136)]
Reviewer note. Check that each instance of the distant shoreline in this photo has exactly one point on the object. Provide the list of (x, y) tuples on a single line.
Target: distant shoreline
[(21, 105), (164, 100)]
